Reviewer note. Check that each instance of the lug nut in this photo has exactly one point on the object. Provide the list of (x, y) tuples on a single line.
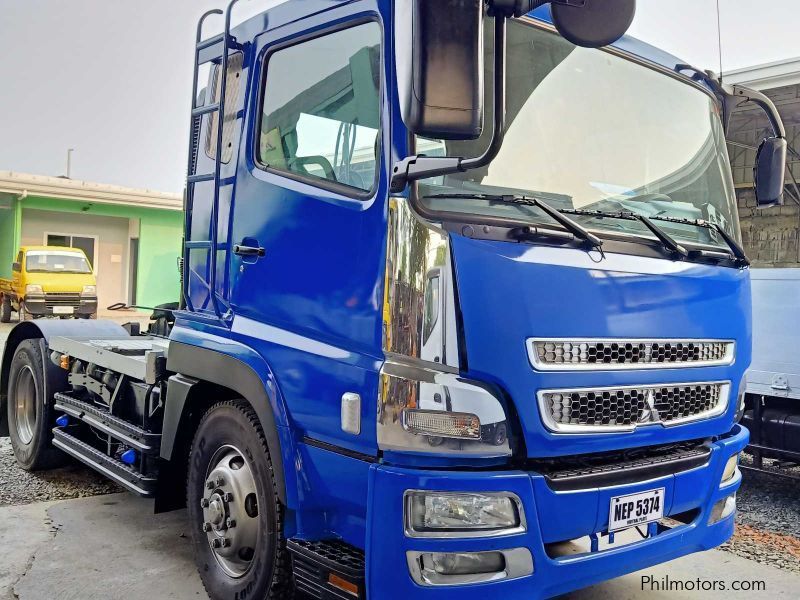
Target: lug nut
[(230, 523), (206, 527), (216, 543), (220, 481), (226, 543), (210, 484), (228, 497), (204, 502)]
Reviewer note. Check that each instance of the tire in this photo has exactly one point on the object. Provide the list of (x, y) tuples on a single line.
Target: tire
[(5, 310), (31, 416), (230, 451)]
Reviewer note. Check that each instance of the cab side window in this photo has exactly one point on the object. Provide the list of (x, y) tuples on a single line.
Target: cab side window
[(321, 109)]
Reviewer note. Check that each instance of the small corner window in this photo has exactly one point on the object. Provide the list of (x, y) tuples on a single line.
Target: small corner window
[(321, 108), (232, 91)]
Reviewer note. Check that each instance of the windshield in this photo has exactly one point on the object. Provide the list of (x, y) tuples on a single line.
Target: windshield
[(590, 130), (44, 261)]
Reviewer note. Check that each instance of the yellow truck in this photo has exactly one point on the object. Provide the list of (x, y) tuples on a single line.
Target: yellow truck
[(49, 281)]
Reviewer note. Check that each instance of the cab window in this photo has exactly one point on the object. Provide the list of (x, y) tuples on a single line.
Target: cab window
[(321, 109)]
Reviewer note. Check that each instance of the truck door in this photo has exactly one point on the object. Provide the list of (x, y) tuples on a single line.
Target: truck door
[(308, 227)]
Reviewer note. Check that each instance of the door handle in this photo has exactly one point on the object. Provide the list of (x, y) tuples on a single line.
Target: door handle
[(256, 251)]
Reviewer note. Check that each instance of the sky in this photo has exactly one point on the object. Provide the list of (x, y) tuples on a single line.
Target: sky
[(112, 79)]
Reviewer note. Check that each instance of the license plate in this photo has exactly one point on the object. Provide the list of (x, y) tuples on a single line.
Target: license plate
[(63, 310), (636, 509)]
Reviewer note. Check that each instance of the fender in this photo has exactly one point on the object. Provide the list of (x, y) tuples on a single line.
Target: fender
[(46, 329), (193, 364)]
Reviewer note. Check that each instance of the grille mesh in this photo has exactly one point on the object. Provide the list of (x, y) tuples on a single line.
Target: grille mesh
[(617, 353), (627, 407)]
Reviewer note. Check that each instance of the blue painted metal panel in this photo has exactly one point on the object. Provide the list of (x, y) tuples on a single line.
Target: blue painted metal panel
[(388, 577), (556, 292)]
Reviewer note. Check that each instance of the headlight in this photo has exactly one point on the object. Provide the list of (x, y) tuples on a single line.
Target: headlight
[(89, 290), (730, 469), (468, 568), (723, 509), (33, 289), (462, 514)]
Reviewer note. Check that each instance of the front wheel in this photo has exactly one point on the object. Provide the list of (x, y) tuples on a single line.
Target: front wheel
[(234, 511)]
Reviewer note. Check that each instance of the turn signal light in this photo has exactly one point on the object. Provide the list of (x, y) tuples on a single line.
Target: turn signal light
[(341, 583), (443, 424)]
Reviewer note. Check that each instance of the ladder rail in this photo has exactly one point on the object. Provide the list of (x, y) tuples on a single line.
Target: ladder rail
[(188, 201), (218, 157)]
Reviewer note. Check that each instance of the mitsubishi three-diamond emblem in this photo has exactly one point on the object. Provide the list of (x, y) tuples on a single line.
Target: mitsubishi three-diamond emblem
[(649, 413)]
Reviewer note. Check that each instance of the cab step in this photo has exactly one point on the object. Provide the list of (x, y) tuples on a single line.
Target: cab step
[(327, 569), (129, 434), (112, 468)]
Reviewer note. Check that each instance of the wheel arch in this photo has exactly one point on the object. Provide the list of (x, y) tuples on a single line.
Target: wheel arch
[(200, 372)]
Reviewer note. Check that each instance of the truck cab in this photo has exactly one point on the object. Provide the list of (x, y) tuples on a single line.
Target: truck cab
[(49, 281), (465, 312)]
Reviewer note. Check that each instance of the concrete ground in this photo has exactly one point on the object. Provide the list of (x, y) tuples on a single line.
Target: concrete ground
[(112, 547)]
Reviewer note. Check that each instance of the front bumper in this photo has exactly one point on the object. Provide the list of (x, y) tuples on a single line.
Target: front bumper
[(46, 306), (551, 517)]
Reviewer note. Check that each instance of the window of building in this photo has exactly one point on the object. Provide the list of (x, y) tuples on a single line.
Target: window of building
[(321, 108), (85, 243)]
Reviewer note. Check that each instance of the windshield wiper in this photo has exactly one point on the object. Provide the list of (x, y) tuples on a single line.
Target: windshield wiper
[(558, 216)]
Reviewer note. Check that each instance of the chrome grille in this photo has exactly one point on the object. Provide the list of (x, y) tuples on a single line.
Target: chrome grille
[(615, 354), (625, 408), (62, 299)]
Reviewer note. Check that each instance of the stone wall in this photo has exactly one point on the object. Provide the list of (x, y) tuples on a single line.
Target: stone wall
[(771, 236)]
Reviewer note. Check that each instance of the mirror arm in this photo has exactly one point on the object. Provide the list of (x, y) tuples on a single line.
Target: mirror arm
[(413, 168), (727, 93), (764, 102)]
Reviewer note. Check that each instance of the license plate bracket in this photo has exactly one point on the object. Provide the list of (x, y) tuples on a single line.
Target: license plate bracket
[(635, 509), (63, 310)]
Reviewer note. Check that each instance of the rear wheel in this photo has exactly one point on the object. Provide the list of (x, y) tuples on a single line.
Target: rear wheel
[(5, 310), (235, 514), (30, 414)]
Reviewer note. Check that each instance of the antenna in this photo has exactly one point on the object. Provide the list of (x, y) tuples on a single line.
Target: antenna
[(719, 41)]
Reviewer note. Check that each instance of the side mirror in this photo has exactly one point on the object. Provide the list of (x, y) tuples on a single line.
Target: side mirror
[(439, 57), (587, 23), (769, 172), (16, 267), (593, 23)]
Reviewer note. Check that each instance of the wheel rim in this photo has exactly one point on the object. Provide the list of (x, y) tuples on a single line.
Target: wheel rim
[(230, 511), (25, 393)]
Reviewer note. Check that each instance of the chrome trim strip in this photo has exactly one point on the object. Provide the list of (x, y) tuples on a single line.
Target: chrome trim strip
[(539, 365), (552, 426), (518, 563), (477, 533)]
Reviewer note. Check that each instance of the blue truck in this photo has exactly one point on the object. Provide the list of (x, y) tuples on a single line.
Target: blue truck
[(465, 312)]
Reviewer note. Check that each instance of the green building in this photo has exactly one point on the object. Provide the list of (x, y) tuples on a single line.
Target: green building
[(132, 237)]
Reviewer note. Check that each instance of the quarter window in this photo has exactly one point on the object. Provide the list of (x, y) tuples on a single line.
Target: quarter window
[(321, 108)]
